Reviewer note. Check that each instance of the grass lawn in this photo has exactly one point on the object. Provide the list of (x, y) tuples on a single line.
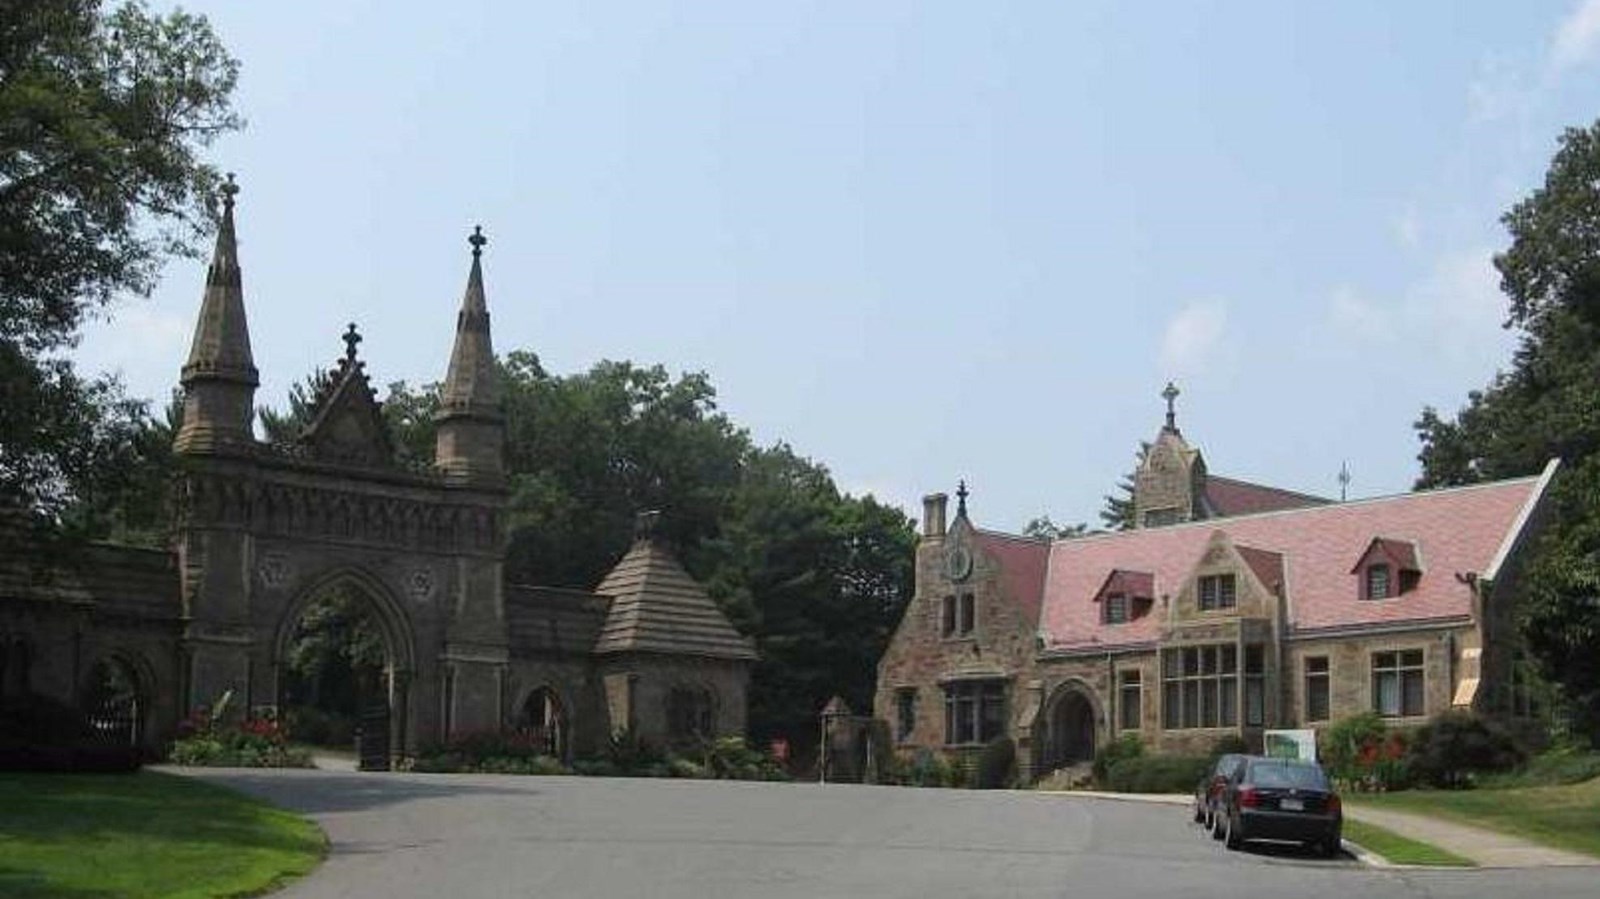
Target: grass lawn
[(1398, 849), (1566, 817), (145, 834)]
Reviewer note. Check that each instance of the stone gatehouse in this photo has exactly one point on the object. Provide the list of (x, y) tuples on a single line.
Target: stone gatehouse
[(264, 529), (1228, 608)]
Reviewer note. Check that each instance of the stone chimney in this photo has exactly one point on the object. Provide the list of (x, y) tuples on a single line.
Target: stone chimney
[(933, 509)]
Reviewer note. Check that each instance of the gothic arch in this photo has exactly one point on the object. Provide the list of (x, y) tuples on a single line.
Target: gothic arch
[(545, 713), (399, 636), (1069, 730), (116, 693)]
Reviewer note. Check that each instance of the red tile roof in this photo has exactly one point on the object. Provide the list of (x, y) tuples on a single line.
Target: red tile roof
[(1023, 561), (1465, 529), (1229, 497)]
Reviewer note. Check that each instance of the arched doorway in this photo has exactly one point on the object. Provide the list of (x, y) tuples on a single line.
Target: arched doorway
[(1070, 724), (343, 659), (116, 700), (544, 719)]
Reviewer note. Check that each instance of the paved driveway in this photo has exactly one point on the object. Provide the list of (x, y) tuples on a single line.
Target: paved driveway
[(463, 836)]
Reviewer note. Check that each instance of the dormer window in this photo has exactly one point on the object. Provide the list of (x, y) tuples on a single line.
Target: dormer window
[(1388, 569), (1217, 591), (1117, 609), (1124, 596), (1378, 581)]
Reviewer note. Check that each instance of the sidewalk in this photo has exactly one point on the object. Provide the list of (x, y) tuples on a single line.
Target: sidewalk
[(1488, 848)]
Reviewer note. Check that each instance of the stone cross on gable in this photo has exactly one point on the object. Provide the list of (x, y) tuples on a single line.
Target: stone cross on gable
[(351, 338)]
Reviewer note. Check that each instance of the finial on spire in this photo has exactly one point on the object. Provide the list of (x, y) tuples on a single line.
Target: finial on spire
[(351, 338), (228, 190), (477, 240), (1344, 481), (1171, 396), (644, 524), (961, 498)]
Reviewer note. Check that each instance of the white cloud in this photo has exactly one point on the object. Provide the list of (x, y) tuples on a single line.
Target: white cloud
[(1192, 335), (1577, 38), (1455, 307)]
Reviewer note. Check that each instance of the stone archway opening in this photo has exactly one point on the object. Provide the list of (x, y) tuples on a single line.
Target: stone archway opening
[(115, 701), (1070, 737), (543, 719), (342, 664)]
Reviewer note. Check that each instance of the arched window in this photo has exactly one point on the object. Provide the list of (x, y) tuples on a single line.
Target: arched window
[(691, 713), (114, 701), (543, 718)]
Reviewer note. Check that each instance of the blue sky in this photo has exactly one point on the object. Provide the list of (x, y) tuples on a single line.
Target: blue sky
[(917, 241)]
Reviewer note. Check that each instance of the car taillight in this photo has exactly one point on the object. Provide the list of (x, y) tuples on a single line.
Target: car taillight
[(1334, 806), (1248, 797)]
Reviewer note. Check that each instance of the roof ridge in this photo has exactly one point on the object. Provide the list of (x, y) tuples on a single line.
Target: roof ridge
[(1224, 522)]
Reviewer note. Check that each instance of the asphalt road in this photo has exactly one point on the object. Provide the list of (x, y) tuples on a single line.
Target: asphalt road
[(461, 836)]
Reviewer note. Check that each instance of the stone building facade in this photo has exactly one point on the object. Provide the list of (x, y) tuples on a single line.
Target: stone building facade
[(1227, 608), (263, 530)]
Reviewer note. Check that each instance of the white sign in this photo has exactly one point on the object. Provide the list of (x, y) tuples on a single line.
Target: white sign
[(1291, 744)]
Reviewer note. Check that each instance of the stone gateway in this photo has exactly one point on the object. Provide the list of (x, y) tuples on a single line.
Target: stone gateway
[(263, 530)]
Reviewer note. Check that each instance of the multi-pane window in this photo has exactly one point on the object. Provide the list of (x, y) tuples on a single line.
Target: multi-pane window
[(1317, 684), (1116, 608), (947, 621), (1378, 581), (974, 711), (1217, 592), (1129, 696), (1255, 686), (969, 615), (1397, 683), (905, 713), (1199, 687)]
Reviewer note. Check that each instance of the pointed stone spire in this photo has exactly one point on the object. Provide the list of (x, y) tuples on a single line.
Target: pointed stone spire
[(471, 433), (220, 378)]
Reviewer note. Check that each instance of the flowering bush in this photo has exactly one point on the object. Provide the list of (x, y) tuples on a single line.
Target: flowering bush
[(1363, 754), (205, 740)]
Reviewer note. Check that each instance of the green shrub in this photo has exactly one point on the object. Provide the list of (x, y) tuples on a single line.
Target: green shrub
[(1456, 745), (1127, 746), (204, 740), (997, 765), (1157, 773), (926, 768)]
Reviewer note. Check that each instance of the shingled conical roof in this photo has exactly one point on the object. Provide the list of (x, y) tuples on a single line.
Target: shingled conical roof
[(657, 607)]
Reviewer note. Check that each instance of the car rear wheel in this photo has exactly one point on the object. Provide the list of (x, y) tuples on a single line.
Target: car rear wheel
[(1199, 813), (1234, 836), (1331, 847)]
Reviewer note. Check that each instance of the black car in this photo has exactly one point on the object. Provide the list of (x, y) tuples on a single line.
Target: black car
[(1279, 799), (1209, 789)]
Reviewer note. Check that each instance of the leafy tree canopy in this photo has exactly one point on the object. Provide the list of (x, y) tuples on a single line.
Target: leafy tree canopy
[(1546, 405), (102, 117)]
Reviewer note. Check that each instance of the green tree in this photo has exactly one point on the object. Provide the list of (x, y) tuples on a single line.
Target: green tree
[(102, 117), (1117, 514), (1546, 405)]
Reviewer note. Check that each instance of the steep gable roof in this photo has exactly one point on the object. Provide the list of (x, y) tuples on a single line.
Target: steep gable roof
[(657, 607), (1466, 529), (1228, 497), (1023, 561)]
